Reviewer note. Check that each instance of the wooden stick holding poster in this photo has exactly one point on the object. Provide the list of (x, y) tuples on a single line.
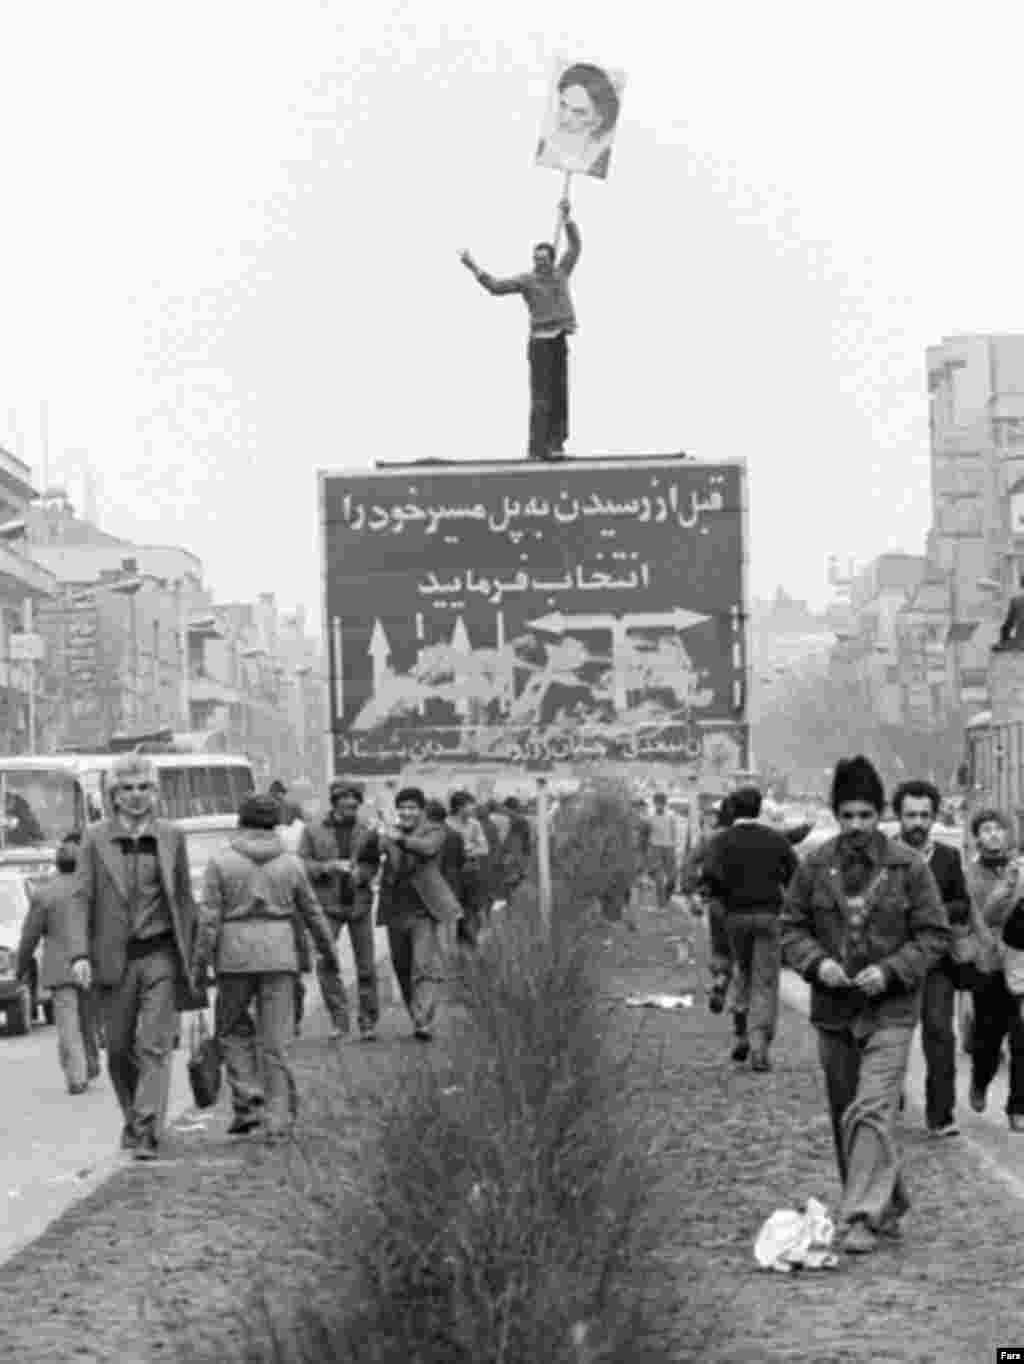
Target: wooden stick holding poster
[(559, 220)]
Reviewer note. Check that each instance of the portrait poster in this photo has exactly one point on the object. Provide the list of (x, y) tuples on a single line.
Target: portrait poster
[(581, 118)]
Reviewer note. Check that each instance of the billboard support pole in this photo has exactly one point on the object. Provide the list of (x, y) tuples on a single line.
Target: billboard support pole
[(543, 851)]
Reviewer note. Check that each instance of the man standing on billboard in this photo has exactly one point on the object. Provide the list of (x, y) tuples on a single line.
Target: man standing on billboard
[(545, 290)]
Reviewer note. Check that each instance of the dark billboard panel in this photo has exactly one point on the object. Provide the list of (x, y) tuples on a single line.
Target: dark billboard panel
[(535, 613)]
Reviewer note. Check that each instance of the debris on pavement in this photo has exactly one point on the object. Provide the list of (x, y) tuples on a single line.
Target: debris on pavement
[(797, 1240), (666, 1002)]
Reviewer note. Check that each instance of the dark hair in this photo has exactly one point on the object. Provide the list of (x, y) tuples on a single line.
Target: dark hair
[(259, 812), (546, 246), (277, 786), (434, 809), (989, 815), (746, 803), (337, 789), (603, 95), (725, 812), (459, 800), (512, 803), (411, 795), (917, 790)]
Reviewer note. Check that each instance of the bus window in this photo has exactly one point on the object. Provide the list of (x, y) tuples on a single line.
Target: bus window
[(220, 786), (174, 793), (241, 784), (201, 802)]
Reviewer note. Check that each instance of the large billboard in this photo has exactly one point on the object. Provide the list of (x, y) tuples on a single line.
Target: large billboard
[(536, 613)]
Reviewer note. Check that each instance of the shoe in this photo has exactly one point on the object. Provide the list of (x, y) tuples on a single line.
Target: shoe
[(338, 1035), (244, 1123), (78, 1089), (945, 1129), (716, 997), (423, 1035), (760, 1060), (368, 1034), (741, 1049), (859, 1238), (129, 1140), (146, 1148), (977, 1098), (1017, 1122)]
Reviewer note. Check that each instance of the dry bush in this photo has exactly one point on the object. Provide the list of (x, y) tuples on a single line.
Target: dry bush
[(499, 1219)]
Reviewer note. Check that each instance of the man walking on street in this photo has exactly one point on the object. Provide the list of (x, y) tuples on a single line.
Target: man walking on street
[(545, 290), (864, 924), (131, 929), (463, 821), (748, 868), (253, 891), (342, 856), (664, 846), (74, 1011), (415, 900), (916, 805)]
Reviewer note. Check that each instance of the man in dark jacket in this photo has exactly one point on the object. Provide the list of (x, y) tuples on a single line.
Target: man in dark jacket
[(453, 863), (747, 868), (415, 900), (341, 856), (864, 924), (916, 806), (516, 847), (131, 927), (47, 918), (253, 891)]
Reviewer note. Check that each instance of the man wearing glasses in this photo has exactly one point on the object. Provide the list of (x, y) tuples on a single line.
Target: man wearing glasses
[(132, 926)]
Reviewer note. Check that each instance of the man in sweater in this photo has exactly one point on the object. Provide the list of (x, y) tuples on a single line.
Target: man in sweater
[(747, 869), (545, 290), (916, 805)]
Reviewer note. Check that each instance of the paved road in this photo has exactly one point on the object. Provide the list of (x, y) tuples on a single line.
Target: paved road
[(56, 1148)]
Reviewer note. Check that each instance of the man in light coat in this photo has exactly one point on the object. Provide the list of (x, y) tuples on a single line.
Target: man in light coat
[(48, 919), (253, 892), (130, 932)]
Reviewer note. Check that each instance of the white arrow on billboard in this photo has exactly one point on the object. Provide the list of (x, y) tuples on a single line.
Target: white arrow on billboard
[(380, 652), (462, 648), (678, 619)]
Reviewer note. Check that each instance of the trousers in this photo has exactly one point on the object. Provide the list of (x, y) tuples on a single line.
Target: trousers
[(548, 361), (864, 1078), (255, 1048), (939, 1044), (997, 1016), (140, 1020), (663, 869), (416, 958), (332, 987), (757, 958), (77, 1042)]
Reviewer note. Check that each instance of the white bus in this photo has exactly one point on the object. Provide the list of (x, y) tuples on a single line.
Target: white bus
[(44, 797)]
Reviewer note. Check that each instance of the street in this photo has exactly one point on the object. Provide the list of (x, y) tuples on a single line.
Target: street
[(56, 1148)]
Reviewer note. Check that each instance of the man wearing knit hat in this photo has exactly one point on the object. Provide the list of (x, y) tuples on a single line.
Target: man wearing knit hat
[(864, 923)]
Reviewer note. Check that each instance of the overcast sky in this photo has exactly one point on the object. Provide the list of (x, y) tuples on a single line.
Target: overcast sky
[(229, 236)]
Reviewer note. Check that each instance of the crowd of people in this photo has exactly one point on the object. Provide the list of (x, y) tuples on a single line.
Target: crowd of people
[(888, 932), (128, 947)]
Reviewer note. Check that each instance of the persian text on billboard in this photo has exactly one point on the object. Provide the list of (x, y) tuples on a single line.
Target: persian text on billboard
[(538, 613)]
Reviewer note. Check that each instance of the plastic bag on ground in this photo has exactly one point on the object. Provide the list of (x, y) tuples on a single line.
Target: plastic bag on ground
[(667, 1002), (797, 1240)]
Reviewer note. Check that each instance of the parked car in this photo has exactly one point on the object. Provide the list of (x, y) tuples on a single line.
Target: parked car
[(20, 1001)]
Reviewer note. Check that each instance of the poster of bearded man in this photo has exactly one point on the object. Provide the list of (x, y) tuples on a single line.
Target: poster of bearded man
[(581, 118)]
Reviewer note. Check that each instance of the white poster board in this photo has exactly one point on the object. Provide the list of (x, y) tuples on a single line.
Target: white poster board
[(581, 118)]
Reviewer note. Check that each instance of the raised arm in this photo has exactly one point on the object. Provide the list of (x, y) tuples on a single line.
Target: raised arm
[(574, 242), (514, 285)]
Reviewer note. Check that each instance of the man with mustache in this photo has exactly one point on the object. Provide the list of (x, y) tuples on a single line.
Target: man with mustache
[(916, 805), (864, 923)]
